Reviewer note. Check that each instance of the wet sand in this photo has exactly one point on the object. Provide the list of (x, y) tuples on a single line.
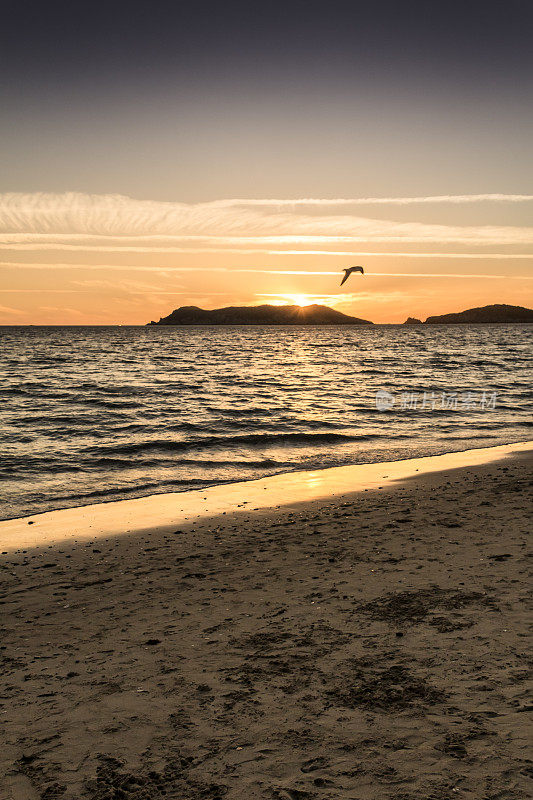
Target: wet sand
[(366, 646), (160, 513)]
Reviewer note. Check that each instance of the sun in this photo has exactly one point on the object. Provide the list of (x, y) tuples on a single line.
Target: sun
[(300, 299)]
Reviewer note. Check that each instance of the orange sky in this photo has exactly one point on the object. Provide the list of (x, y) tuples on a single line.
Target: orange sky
[(392, 135), (108, 259)]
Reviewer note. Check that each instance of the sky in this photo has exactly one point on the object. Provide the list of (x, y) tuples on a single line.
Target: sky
[(164, 154)]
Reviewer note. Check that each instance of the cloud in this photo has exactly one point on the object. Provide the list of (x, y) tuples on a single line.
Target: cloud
[(125, 285), (114, 223), (393, 254), (8, 310), (336, 299), (250, 270), (38, 245), (398, 201), (64, 310), (39, 290)]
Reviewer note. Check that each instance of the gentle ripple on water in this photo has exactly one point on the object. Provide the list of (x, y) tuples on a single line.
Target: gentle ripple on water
[(94, 414)]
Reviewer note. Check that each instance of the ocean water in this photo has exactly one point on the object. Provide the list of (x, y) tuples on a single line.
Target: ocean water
[(95, 414)]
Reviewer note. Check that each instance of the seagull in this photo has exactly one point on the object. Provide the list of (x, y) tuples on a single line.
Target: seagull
[(348, 272)]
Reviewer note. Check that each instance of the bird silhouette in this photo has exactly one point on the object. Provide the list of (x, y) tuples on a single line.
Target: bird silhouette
[(348, 271)]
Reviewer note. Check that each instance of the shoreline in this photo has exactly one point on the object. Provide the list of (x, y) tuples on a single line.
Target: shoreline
[(362, 646), (162, 512)]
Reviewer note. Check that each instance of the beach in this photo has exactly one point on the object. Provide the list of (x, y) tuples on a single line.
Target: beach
[(364, 645), (266, 444)]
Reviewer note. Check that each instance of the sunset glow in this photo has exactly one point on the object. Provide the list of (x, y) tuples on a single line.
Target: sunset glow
[(150, 181), (301, 300), (80, 259)]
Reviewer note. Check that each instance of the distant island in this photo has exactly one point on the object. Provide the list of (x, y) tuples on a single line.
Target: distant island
[(486, 314), (259, 315), (323, 315), (497, 313)]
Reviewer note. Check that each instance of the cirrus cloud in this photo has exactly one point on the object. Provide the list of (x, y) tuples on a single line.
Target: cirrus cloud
[(110, 222)]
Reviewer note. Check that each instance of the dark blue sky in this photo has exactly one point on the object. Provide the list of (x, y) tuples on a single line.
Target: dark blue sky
[(66, 41), (208, 99)]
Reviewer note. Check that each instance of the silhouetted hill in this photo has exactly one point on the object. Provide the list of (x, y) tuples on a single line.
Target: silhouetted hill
[(260, 315), (497, 313), (412, 321)]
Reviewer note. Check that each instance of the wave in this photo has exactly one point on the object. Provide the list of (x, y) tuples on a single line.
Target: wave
[(250, 440)]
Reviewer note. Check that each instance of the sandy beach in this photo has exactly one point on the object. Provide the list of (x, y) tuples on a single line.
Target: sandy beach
[(366, 646), (266, 443)]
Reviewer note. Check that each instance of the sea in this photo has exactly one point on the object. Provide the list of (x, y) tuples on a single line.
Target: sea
[(93, 414)]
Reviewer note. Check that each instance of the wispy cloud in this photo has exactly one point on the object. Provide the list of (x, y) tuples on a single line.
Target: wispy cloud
[(333, 299), (397, 201), (124, 284), (273, 271), (39, 290), (115, 223), (39, 245), (395, 254), (8, 310)]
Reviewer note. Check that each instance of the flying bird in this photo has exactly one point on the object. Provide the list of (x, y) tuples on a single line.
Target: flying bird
[(348, 271)]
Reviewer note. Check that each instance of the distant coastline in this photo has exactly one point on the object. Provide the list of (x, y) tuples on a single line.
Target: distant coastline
[(323, 315)]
